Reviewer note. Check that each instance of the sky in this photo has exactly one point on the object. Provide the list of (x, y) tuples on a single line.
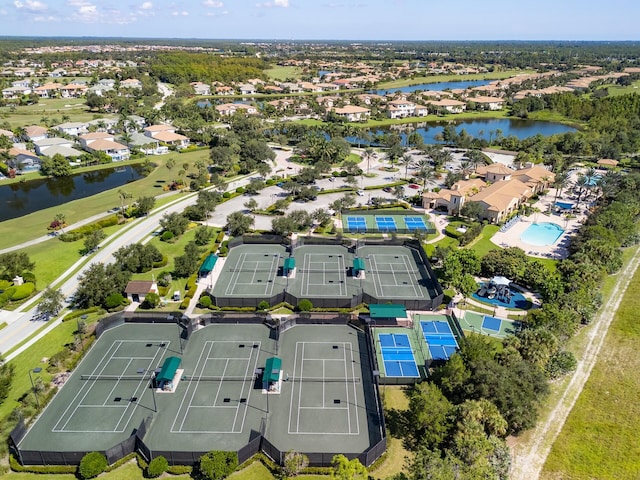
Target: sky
[(325, 19)]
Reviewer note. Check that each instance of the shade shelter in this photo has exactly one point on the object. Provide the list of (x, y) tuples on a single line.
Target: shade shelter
[(207, 265), (387, 311), (167, 372), (272, 369)]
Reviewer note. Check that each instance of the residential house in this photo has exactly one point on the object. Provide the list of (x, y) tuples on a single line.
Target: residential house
[(353, 113), (105, 142), (131, 83), (231, 108), (7, 133), (100, 89), (488, 103), (225, 90), (247, 89), (310, 87), (48, 90), (201, 88), (73, 90), (135, 122), (448, 104), (11, 93), (167, 134), (146, 144), (24, 160), (102, 124), (369, 98), (328, 87), (273, 89), (405, 108), (55, 145), (34, 133), (72, 128), (58, 73), (452, 199), (25, 82), (291, 87)]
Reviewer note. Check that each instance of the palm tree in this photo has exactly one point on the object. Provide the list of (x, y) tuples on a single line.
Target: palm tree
[(407, 161), (582, 184), (560, 182), (61, 219), (466, 168), (368, 155), (425, 174)]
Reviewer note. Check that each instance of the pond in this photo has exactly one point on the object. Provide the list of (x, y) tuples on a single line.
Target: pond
[(437, 87), (27, 197), (487, 129)]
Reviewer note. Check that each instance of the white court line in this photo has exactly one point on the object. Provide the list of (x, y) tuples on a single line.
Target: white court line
[(184, 418), (250, 383), (375, 274), (234, 275), (412, 275), (355, 392), (300, 388), (346, 386)]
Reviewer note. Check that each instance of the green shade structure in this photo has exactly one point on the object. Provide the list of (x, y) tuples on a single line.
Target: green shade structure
[(289, 264), (208, 264), (387, 310), (358, 265), (168, 370), (272, 369)]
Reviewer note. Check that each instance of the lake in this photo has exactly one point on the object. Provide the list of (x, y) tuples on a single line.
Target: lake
[(486, 129), (437, 87), (27, 197)]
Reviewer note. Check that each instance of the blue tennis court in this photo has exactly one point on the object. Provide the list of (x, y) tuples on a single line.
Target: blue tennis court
[(440, 339), (491, 323), (438, 328), (415, 223), (356, 223), (397, 355), (386, 224)]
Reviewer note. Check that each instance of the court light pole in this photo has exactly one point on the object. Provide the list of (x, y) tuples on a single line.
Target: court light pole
[(33, 387)]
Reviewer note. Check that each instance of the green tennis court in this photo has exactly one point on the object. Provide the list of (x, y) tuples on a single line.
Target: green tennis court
[(220, 400)]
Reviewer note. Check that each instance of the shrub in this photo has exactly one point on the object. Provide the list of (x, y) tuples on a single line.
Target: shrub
[(263, 305), (471, 234), (305, 305), (226, 195), (167, 236), (23, 291), (162, 262), (240, 190), (205, 301), (217, 465), (152, 300), (220, 237), (114, 300), (92, 465), (157, 467)]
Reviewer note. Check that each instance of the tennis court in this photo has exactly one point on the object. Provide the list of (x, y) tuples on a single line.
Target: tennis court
[(397, 356), (394, 274), (325, 274), (440, 339), (326, 405), (488, 325), (386, 221), (252, 270)]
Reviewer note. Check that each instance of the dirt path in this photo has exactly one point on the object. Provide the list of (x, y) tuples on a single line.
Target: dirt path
[(529, 459)]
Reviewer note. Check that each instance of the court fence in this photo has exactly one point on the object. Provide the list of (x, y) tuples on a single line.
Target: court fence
[(429, 227)]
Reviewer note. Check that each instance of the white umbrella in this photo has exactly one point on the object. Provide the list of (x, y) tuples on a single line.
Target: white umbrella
[(500, 281)]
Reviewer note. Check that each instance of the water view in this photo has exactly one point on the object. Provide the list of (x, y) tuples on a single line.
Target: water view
[(487, 129), (27, 197), (436, 87)]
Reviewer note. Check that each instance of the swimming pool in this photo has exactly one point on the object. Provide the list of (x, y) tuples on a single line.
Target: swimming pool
[(565, 205), (542, 234)]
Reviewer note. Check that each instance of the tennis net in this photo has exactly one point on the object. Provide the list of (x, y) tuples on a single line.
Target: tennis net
[(252, 270), (190, 378)]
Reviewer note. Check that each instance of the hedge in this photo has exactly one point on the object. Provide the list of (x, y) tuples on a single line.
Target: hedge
[(220, 237), (79, 313), (80, 232), (41, 469), (23, 291)]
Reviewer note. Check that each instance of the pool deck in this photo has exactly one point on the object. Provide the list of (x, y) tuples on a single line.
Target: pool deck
[(559, 250)]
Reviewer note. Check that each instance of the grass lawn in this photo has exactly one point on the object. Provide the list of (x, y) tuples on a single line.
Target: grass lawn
[(600, 436), (617, 90), (53, 109), (451, 78), (483, 244), (549, 116), (281, 73), (31, 226)]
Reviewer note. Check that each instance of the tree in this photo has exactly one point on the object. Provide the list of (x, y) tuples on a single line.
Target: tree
[(251, 205), (294, 463), (137, 258), (175, 223), (61, 220), (429, 415), (50, 301), (56, 166), (203, 235), (98, 282), (151, 300), (368, 155), (144, 205), (305, 305), (6, 377), (239, 224), (187, 263), (408, 162), (345, 469), (92, 240), (92, 465), (217, 465), (15, 263)]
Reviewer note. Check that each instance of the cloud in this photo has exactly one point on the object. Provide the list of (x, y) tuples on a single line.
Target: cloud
[(274, 3), (86, 12), (46, 18), (31, 5), (182, 13), (146, 6), (212, 4), (218, 14)]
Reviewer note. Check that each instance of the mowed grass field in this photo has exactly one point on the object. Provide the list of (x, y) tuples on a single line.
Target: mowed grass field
[(600, 437), (281, 73), (54, 108)]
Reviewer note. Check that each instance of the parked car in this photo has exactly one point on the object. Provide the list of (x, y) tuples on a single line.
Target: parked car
[(414, 186)]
